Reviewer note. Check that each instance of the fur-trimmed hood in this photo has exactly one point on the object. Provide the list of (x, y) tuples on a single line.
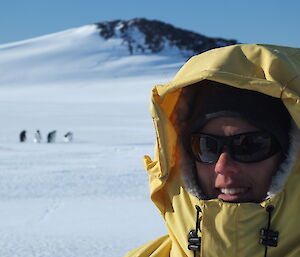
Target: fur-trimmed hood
[(225, 229)]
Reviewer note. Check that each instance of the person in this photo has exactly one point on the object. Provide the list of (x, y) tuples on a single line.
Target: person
[(225, 174)]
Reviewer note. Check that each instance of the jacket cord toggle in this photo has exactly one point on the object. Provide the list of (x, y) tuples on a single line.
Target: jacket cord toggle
[(193, 239), (268, 237)]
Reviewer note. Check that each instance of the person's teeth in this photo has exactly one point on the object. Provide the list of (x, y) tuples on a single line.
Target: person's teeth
[(232, 191)]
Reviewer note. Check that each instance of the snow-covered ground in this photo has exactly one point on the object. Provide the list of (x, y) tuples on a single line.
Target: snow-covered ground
[(90, 197)]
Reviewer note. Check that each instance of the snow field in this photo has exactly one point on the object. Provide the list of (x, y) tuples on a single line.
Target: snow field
[(85, 198)]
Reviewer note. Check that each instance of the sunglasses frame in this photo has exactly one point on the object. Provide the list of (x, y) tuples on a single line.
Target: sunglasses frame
[(225, 142)]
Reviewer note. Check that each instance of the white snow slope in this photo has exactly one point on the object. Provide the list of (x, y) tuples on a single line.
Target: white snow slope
[(90, 197)]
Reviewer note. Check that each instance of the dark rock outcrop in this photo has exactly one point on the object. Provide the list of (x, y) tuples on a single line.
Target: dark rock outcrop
[(151, 36)]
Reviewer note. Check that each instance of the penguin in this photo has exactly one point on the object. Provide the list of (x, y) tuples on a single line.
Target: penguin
[(51, 136), (37, 137), (23, 136), (68, 137)]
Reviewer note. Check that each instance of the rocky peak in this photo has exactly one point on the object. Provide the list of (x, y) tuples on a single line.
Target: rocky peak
[(151, 36)]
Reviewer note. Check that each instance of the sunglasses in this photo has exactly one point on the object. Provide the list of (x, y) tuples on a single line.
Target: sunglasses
[(246, 147)]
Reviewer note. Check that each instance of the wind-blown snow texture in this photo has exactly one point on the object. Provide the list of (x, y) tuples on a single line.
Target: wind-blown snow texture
[(87, 198)]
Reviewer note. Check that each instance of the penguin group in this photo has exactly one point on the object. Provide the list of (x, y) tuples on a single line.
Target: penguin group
[(51, 136)]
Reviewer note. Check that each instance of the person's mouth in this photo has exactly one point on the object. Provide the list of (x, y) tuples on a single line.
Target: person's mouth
[(232, 194), (233, 191)]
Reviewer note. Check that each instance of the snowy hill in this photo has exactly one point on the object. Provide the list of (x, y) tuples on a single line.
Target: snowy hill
[(104, 50), (89, 197), (71, 56)]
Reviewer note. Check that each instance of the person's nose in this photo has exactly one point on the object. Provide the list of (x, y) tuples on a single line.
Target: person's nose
[(225, 165)]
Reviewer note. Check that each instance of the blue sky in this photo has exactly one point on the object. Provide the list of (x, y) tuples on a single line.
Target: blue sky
[(255, 21)]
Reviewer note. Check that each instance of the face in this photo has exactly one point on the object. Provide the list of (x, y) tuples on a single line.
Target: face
[(230, 180)]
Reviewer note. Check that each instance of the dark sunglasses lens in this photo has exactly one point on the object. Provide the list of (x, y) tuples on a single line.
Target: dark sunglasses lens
[(252, 147), (205, 148), (246, 148)]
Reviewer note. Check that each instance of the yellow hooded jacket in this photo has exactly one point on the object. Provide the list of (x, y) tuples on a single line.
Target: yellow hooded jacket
[(226, 229)]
